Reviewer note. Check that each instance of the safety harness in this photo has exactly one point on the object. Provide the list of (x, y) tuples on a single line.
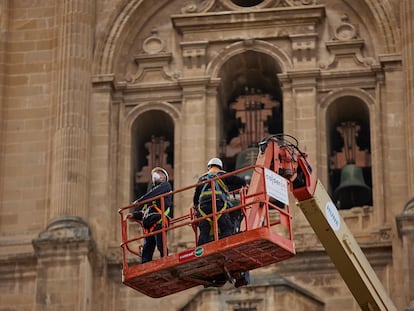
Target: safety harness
[(221, 193), (147, 212)]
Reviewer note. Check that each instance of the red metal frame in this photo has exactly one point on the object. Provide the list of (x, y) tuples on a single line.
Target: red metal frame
[(256, 245)]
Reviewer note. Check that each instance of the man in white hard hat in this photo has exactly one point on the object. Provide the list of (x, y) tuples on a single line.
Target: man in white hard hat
[(202, 200), (150, 213)]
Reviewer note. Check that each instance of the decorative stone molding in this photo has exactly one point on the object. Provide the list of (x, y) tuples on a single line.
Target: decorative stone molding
[(103, 83), (194, 55), (346, 31), (68, 235), (189, 8), (264, 289), (249, 5), (304, 49), (390, 62), (153, 44), (262, 4), (204, 27), (63, 233), (245, 304), (303, 79), (196, 6), (196, 86), (153, 63), (346, 47), (405, 221), (152, 68)]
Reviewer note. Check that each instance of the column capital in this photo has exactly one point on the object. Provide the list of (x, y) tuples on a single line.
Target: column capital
[(405, 220), (63, 234)]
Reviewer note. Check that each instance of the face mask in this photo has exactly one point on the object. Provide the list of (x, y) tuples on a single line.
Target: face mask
[(155, 177)]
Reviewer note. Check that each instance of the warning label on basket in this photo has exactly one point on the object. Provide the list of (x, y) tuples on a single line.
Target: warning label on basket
[(276, 186), (190, 254)]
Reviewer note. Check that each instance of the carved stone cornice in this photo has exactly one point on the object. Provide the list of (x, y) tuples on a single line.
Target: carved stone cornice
[(205, 26), (304, 78), (103, 83), (194, 85), (64, 235), (391, 62)]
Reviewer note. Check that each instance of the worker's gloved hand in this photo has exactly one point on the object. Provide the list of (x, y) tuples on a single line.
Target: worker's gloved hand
[(128, 216)]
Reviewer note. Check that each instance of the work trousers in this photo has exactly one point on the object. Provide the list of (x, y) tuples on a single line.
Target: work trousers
[(224, 224), (150, 243)]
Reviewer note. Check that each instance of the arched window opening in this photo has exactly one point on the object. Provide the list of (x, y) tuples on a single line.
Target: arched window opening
[(251, 106), (152, 145), (246, 3), (350, 177)]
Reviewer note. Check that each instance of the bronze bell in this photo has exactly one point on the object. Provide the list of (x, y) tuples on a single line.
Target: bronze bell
[(246, 158), (352, 190)]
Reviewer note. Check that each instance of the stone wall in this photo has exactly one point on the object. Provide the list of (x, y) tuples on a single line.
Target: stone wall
[(78, 78)]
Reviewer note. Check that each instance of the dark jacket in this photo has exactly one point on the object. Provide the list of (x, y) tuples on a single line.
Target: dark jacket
[(146, 212), (232, 182)]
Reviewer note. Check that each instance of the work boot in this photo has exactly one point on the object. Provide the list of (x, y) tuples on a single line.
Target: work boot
[(243, 278)]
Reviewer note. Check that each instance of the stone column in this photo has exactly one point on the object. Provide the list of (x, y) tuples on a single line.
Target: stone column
[(64, 267), (405, 221), (407, 47), (69, 183), (3, 41), (405, 225)]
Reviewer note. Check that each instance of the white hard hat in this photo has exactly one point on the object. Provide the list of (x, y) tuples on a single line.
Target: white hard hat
[(158, 169), (215, 161)]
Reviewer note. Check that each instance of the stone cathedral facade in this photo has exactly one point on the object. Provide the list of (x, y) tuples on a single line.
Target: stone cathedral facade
[(94, 93)]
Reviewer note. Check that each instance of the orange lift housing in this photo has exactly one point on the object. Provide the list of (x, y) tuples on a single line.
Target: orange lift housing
[(265, 236)]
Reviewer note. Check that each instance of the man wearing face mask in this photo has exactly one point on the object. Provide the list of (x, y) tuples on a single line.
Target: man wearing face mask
[(150, 213)]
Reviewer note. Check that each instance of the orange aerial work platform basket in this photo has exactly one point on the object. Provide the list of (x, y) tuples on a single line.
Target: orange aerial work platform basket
[(264, 237)]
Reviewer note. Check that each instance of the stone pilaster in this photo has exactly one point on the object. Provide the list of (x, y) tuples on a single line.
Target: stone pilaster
[(69, 181), (393, 141), (407, 48), (195, 139), (65, 248), (405, 225), (66, 257), (288, 104), (3, 41), (194, 127), (304, 97)]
